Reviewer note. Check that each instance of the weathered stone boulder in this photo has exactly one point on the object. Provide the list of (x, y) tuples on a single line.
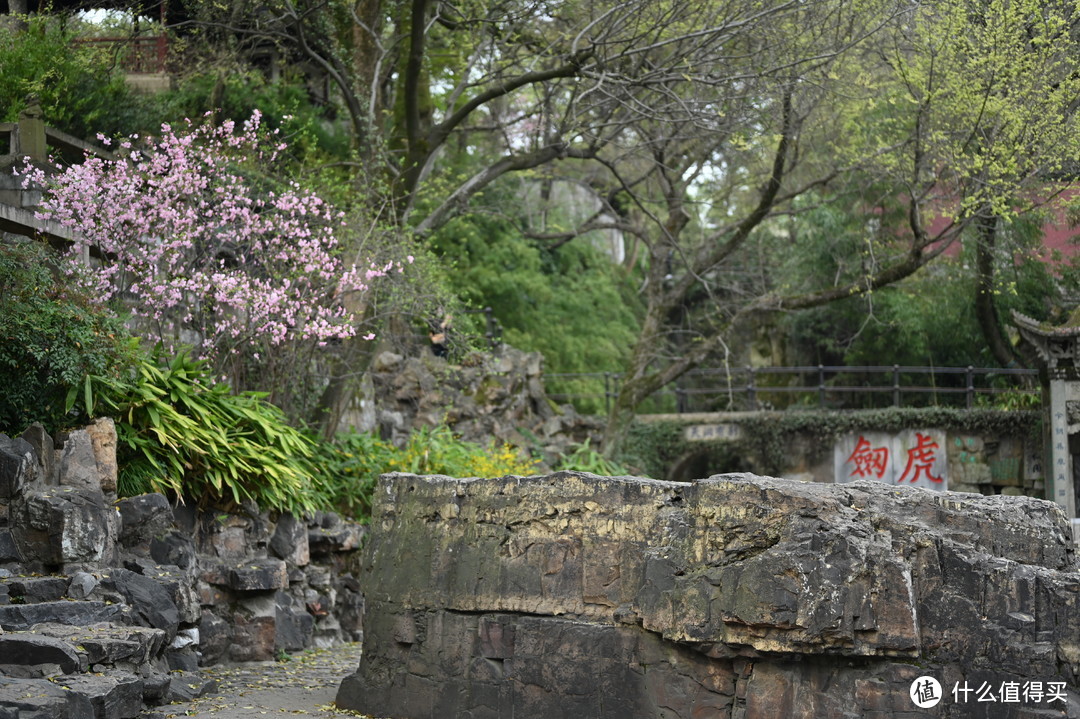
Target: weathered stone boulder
[(60, 525), (144, 517), (18, 465), (148, 598), (40, 699), (738, 596)]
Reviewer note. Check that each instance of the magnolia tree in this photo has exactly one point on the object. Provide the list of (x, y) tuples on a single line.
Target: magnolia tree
[(202, 252)]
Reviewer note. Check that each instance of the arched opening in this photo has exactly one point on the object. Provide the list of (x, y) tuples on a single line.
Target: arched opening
[(708, 461)]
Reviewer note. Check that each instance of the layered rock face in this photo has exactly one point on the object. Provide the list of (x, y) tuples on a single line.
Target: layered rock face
[(738, 596)]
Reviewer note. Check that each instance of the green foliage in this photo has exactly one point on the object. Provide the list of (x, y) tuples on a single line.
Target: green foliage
[(51, 338), (583, 458), (928, 319), (353, 462), (573, 304), (80, 89), (181, 434), (235, 93)]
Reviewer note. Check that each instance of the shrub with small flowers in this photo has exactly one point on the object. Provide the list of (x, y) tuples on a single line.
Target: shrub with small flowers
[(200, 251)]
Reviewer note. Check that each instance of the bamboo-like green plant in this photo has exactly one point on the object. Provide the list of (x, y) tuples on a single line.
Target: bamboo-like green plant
[(586, 459), (182, 434)]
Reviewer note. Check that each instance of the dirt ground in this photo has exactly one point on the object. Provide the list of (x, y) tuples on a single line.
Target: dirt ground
[(303, 686)]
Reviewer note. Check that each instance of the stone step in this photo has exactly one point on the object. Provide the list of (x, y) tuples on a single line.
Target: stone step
[(20, 617), (100, 671), (96, 696)]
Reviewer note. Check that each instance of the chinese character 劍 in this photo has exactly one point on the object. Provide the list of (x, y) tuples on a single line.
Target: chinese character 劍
[(920, 459), (868, 460)]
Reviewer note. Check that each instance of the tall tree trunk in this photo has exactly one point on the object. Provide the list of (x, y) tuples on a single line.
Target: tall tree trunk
[(985, 305)]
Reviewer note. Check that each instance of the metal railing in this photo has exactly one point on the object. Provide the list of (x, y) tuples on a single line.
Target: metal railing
[(831, 387)]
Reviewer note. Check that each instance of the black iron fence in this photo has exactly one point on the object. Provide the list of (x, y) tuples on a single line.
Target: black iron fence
[(827, 387)]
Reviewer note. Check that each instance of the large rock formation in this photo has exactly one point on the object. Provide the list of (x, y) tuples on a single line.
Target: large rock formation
[(737, 596), (106, 605)]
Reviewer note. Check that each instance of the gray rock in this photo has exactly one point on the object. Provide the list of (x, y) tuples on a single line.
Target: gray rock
[(173, 547), (45, 451), (8, 551), (20, 617), (108, 644), (575, 595), (102, 433), (176, 582), (78, 464), (114, 696), (259, 575), (144, 517), (215, 636), (18, 465), (290, 541), (294, 627), (148, 598), (82, 585), (30, 650), (58, 525), (386, 362), (182, 660), (41, 699), (185, 686), (30, 590)]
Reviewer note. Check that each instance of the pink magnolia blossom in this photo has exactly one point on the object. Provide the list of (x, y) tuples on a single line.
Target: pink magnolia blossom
[(197, 253)]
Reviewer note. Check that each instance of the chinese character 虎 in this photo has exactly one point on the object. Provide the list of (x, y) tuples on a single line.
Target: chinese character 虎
[(1055, 692), (868, 460), (920, 459)]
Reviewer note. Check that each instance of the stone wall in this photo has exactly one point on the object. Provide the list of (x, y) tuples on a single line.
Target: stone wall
[(739, 597), (122, 601), (486, 396)]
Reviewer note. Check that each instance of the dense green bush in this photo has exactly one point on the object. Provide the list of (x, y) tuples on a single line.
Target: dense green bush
[(572, 303), (51, 338), (182, 434), (81, 90)]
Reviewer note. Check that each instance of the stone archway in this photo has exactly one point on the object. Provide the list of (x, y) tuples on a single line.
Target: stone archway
[(707, 461)]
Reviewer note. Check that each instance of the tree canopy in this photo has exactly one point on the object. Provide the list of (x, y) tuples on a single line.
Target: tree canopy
[(748, 158)]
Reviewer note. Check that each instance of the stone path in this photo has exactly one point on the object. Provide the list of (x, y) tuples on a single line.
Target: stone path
[(303, 686)]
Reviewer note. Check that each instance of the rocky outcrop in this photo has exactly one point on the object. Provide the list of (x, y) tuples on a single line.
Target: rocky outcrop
[(486, 396), (737, 596), (106, 606)]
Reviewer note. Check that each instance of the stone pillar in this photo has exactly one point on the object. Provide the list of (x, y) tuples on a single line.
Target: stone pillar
[(1059, 349), (30, 134)]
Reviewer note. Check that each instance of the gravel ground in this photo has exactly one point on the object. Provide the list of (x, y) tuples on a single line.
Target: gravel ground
[(303, 686)]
